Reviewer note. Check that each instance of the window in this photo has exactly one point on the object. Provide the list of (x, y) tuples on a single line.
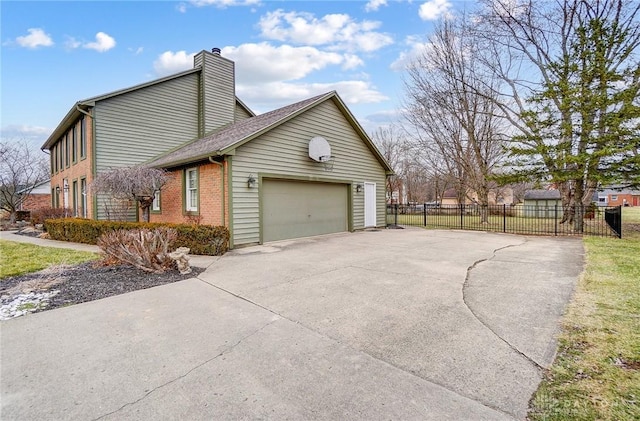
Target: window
[(83, 192), (66, 150), (59, 155), (155, 206), (614, 197), (54, 160), (83, 138), (74, 149), (75, 197), (191, 190)]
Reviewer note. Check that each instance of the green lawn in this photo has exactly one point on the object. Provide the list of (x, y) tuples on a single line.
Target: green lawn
[(596, 375), (21, 258), (515, 224)]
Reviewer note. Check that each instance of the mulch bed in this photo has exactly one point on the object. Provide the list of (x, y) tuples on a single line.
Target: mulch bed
[(89, 281)]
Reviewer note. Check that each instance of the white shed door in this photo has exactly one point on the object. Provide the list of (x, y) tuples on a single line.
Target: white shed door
[(369, 205)]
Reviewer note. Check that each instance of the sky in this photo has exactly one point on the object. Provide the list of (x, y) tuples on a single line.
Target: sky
[(54, 53)]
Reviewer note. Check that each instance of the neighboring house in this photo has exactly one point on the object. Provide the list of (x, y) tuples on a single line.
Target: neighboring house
[(253, 174), (542, 203), (618, 197), (496, 196), (38, 198)]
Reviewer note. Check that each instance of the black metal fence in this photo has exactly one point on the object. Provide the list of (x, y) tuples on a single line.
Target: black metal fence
[(516, 219)]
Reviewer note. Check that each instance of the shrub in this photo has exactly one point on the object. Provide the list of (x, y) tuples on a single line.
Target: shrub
[(200, 239), (38, 216), (143, 248)]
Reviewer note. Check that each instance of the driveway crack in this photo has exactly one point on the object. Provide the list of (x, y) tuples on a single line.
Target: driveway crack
[(224, 352), (479, 319), (363, 351)]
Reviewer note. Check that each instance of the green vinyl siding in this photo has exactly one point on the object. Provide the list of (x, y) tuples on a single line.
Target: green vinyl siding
[(133, 127), (283, 151), (218, 94), (240, 113), (136, 126)]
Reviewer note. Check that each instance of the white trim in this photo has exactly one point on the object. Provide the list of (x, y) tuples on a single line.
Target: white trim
[(191, 191), (370, 205)]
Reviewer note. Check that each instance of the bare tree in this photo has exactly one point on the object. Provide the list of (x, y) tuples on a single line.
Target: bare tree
[(391, 142), (572, 79), (450, 105), (21, 169), (137, 183)]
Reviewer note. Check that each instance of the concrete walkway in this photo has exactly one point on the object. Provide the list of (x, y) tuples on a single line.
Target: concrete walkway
[(390, 324)]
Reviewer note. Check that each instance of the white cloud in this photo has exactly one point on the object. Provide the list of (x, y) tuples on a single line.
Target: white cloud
[(434, 9), (351, 62), (338, 31), (224, 3), (374, 5), (36, 135), (417, 48), (136, 51), (181, 7), (264, 62), (268, 96), (103, 42), (170, 62), (270, 76), (36, 38), (72, 43), (380, 119)]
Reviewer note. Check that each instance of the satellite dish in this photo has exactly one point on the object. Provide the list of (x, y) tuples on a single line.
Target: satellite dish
[(319, 149)]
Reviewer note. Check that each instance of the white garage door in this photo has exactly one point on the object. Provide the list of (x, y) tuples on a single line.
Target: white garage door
[(292, 209)]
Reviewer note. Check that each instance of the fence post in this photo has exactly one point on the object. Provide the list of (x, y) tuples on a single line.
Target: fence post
[(395, 214), (424, 213), (461, 215), (504, 217), (555, 220)]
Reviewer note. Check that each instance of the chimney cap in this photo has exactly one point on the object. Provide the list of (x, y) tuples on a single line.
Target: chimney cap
[(216, 51)]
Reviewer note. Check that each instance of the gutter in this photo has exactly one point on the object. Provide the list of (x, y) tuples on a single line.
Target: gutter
[(221, 164)]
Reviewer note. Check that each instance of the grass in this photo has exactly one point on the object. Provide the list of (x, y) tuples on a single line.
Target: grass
[(21, 258), (596, 375), (515, 222)]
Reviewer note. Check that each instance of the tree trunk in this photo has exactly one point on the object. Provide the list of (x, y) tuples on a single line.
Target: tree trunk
[(145, 206)]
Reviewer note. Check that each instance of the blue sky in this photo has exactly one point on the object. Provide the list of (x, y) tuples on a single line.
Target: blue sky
[(56, 53)]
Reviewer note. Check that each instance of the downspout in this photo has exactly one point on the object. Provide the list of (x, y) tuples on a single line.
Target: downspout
[(223, 188)]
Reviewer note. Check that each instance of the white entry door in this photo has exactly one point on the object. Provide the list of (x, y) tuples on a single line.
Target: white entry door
[(369, 205)]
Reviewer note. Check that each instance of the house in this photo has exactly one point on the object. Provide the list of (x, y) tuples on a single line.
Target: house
[(38, 198), (301, 170), (496, 196), (618, 197), (542, 203)]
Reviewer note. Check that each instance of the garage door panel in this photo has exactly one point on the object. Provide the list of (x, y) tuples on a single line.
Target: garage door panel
[(298, 209)]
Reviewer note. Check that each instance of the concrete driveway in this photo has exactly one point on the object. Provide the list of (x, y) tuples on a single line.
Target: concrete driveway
[(389, 324)]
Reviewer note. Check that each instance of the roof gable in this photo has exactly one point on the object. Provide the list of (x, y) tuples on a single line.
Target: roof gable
[(227, 139), (82, 106)]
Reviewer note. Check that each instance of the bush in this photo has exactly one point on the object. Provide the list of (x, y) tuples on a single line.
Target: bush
[(143, 248), (38, 216), (200, 239)]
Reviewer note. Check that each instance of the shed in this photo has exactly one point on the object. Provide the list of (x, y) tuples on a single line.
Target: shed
[(542, 203)]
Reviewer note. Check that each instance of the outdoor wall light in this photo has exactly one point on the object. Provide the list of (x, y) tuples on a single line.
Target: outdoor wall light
[(57, 189), (251, 181), (358, 188)]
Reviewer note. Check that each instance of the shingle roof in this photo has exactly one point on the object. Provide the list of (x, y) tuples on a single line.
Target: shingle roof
[(233, 134), (541, 194)]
